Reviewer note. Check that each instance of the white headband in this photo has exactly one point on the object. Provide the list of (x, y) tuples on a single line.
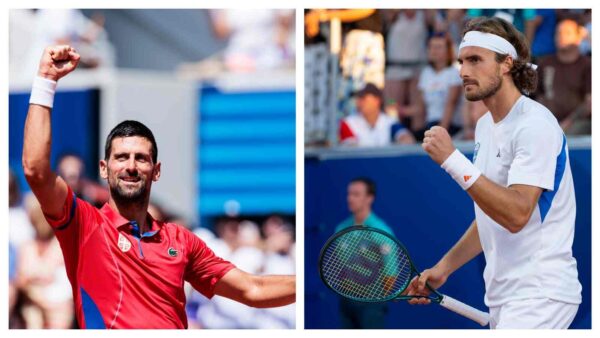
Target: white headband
[(492, 42)]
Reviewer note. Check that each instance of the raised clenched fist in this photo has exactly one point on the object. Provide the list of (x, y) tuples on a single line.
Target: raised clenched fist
[(438, 144), (58, 61)]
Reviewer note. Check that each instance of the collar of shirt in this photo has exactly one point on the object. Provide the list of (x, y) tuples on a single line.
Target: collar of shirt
[(119, 221)]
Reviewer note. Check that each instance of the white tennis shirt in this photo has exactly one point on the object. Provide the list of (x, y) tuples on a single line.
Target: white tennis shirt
[(528, 147)]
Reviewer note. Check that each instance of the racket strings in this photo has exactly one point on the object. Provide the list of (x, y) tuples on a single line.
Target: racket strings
[(366, 265)]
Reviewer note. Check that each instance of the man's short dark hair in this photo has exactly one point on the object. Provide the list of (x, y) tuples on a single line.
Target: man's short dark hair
[(130, 128), (367, 182), (370, 89)]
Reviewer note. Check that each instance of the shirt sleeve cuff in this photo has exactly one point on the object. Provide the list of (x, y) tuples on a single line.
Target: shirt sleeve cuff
[(529, 179), (68, 212), (210, 293)]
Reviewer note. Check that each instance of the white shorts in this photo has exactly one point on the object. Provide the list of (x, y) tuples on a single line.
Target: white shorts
[(538, 313)]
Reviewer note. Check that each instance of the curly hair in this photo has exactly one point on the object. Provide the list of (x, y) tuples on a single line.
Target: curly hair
[(523, 75)]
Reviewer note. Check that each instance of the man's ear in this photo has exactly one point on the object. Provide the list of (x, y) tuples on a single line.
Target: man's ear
[(104, 169), (506, 65), (156, 173)]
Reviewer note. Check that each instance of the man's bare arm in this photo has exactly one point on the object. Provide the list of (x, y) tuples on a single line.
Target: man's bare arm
[(467, 248), (257, 291), (50, 190), (511, 207)]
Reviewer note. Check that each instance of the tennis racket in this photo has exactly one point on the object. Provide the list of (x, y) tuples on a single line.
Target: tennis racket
[(369, 265)]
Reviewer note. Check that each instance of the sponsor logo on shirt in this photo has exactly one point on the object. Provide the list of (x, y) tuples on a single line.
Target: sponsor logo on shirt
[(172, 252), (123, 243)]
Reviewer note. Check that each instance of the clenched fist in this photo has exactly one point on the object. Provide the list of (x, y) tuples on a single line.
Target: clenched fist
[(58, 61), (438, 144)]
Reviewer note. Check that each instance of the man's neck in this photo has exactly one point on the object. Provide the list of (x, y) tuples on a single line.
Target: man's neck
[(568, 55), (502, 102), (137, 212), (361, 216)]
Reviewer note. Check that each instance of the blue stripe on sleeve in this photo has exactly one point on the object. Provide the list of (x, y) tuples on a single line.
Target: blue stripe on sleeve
[(546, 198)]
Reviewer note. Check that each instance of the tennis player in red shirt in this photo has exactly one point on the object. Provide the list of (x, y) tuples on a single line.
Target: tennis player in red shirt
[(126, 269)]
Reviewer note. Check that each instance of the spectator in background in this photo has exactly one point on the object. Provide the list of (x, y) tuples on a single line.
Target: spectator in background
[(372, 127), (359, 315), (20, 229), (258, 39), (565, 80), (42, 278), (221, 312), (586, 44), (362, 58), (278, 258), (72, 169), (61, 26), (453, 23), (471, 112), (439, 99), (539, 31), (518, 17), (406, 54)]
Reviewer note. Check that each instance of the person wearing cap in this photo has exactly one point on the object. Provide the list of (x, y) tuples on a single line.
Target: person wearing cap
[(372, 127), (565, 80), (521, 184)]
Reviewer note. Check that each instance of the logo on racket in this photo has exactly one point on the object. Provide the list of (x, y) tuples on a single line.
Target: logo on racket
[(360, 269)]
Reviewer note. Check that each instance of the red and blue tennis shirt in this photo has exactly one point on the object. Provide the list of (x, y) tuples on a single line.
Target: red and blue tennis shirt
[(122, 278)]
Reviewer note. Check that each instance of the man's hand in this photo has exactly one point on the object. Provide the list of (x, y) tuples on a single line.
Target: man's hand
[(58, 61), (438, 144), (435, 277)]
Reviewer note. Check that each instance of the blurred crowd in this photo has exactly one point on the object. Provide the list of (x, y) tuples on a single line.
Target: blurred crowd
[(39, 290), (245, 40), (32, 30), (398, 74)]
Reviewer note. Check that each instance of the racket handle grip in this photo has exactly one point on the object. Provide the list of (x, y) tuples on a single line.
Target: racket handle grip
[(483, 318)]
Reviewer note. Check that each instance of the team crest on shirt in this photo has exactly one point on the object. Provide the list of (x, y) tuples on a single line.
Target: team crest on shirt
[(123, 243), (475, 152), (172, 252)]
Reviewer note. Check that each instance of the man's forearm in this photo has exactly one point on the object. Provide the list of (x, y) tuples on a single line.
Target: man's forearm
[(463, 251), (273, 291), (508, 207), (36, 144)]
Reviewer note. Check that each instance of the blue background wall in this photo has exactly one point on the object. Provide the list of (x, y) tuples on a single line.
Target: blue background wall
[(75, 129), (429, 212), (247, 151)]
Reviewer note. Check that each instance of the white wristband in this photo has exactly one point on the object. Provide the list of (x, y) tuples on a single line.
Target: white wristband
[(42, 92), (461, 169)]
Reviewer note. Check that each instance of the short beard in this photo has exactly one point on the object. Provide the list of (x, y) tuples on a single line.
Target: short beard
[(488, 92), (122, 197)]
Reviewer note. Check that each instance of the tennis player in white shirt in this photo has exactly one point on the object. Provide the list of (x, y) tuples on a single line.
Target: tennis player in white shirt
[(521, 183)]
